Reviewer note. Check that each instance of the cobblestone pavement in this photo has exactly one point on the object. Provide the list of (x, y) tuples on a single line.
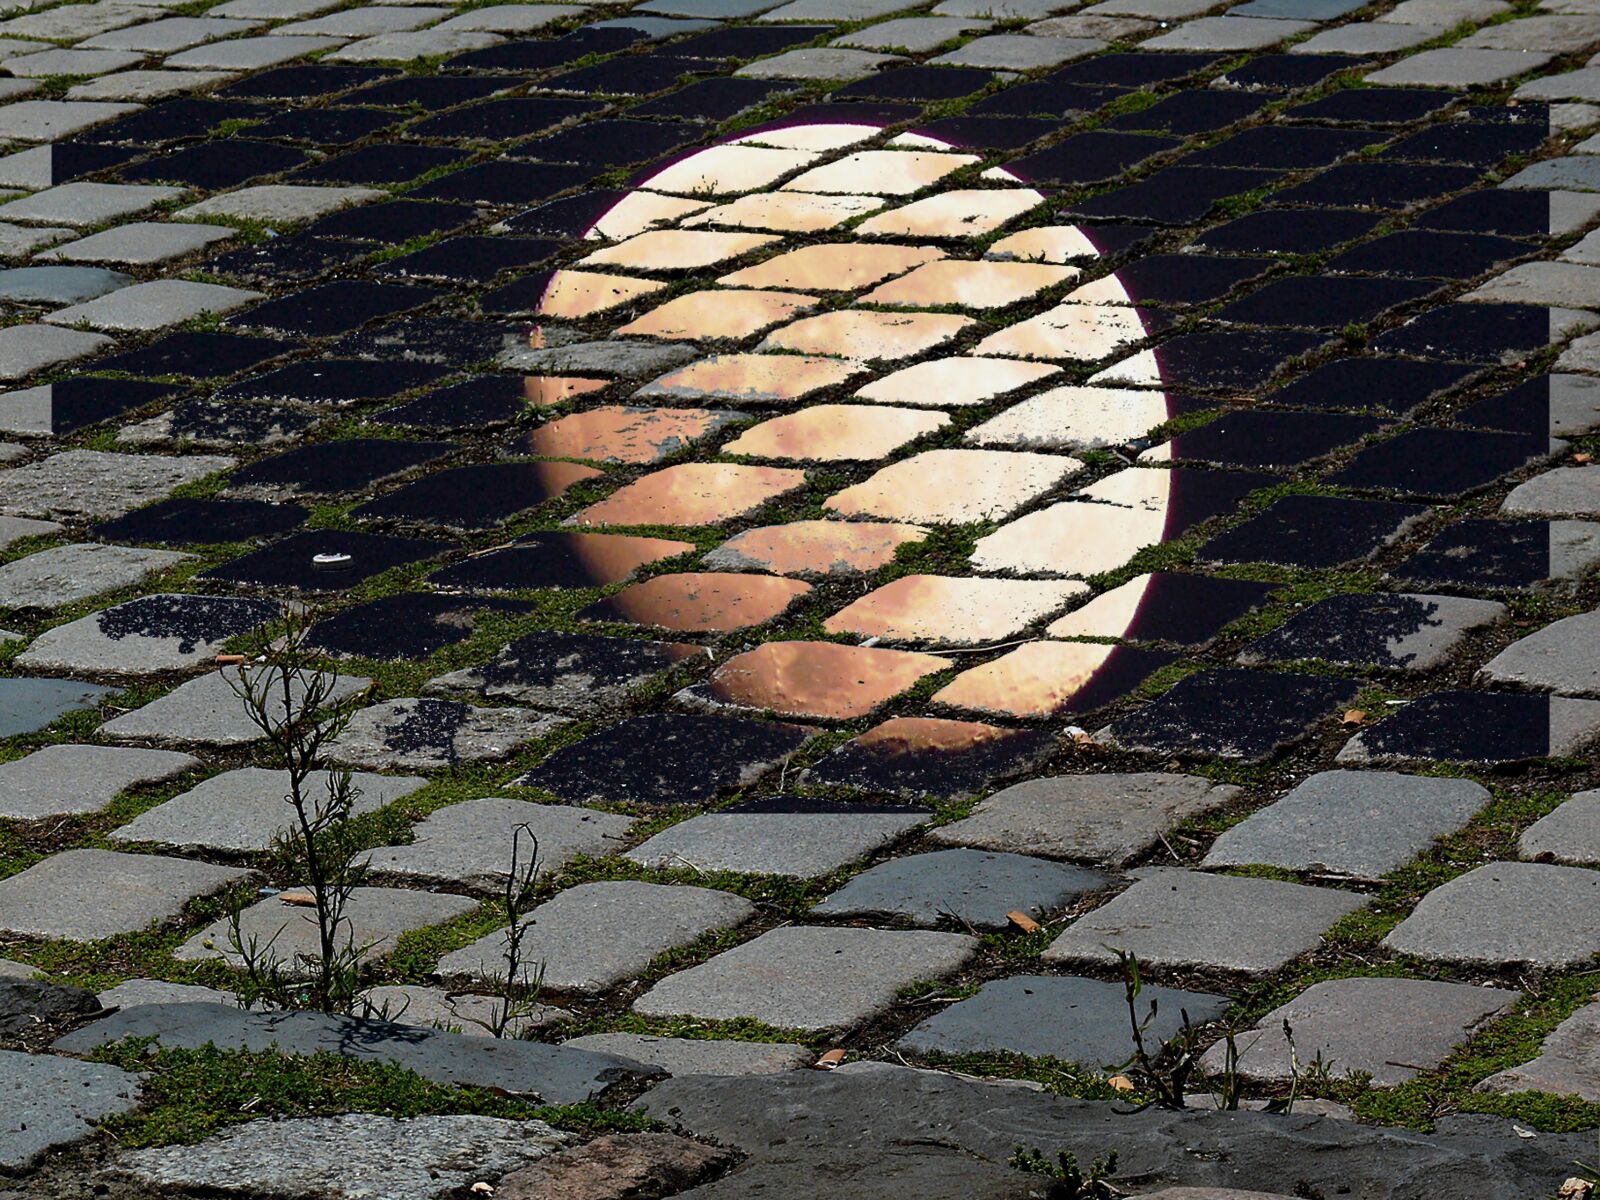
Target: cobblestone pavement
[(907, 504)]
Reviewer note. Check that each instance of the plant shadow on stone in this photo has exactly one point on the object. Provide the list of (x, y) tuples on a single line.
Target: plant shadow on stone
[(516, 992), (293, 703), (1169, 1070)]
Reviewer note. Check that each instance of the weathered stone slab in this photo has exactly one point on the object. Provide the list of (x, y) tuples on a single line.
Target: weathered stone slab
[(975, 888), (374, 919), (139, 243), (635, 1166), (1109, 819), (1568, 1063), (25, 349), (554, 1074), (804, 977), (208, 712), (1398, 632), (14, 529), (155, 305), (1563, 492), (95, 483), (27, 1005), (1570, 834), (1173, 918), (1079, 1020), (1363, 823), (64, 1100), (58, 285), (623, 357), (133, 992), (1506, 914), (1563, 657), (412, 734), (28, 705), (355, 1156), (888, 1129), (694, 1056), (64, 574), (147, 636), (456, 1012), (1459, 67), (781, 836), (280, 202), (86, 895), (818, 62), (245, 811), (469, 844), (598, 934), (1390, 1029), (57, 781)]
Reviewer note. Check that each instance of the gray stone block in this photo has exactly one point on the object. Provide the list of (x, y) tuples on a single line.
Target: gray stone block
[(58, 781), (1563, 657), (1186, 919), (1109, 819), (1229, 33), (14, 529), (1563, 492), (402, 47), (25, 349), (281, 203), (17, 241), (52, 120), (823, 11), (694, 1056), (624, 357), (1020, 52), (147, 306), (131, 993), (83, 204), (56, 25), (414, 734), (1078, 1020), (94, 483), (526, 18), (553, 1074), (146, 86), (374, 918), (1506, 914), (469, 844), (367, 22), (976, 888), (1453, 66), (171, 34), (1364, 823), (1556, 34), (818, 62), (1390, 1029), (1447, 13), (29, 705), (65, 1100), (86, 895), (246, 811), (65, 574), (801, 844), (1582, 84), (1554, 283), (1576, 173), (1568, 1063), (1096, 27), (251, 54), (207, 712), (805, 977), (911, 35), (147, 636), (1367, 37), (592, 936), (456, 1012), (1570, 834), (351, 1157), (59, 285)]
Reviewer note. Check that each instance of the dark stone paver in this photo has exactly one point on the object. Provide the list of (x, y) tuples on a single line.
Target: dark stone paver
[(1080, 1020), (1481, 727), (554, 1074), (1394, 632), (973, 888)]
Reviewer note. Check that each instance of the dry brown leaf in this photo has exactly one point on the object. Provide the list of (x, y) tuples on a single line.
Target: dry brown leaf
[(1122, 1083), (1022, 921), (1354, 716), (829, 1060), (298, 899)]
